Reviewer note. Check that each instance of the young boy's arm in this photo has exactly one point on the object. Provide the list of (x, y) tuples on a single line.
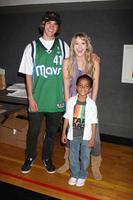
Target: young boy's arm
[(93, 137), (65, 126)]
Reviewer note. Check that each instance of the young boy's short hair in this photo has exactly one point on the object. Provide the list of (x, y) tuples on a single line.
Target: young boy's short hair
[(85, 76)]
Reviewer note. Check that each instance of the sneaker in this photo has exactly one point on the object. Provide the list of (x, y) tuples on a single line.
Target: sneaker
[(80, 182), (72, 181), (49, 166), (27, 165)]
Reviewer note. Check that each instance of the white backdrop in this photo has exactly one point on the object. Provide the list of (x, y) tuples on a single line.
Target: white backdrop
[(28, 2)]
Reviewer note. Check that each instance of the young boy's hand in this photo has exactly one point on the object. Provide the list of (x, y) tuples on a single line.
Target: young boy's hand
[(64, 139), (92, 142)]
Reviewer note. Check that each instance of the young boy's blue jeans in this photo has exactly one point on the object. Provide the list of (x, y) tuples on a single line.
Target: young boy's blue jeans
[(79, 157), (96, 150)]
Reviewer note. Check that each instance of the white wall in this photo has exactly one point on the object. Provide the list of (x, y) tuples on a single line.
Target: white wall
[(28, 2)]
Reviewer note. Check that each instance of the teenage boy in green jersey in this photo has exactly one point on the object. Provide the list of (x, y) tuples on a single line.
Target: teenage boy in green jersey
[(42, 64)]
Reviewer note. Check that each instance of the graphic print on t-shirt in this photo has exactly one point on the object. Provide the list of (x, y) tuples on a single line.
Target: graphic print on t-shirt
[(79, 115)]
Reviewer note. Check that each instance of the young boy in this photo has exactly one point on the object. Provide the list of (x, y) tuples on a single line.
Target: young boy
[(81, 120)]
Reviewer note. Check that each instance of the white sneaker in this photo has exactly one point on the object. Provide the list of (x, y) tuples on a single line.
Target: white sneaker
[(72, 181), (80, 182)]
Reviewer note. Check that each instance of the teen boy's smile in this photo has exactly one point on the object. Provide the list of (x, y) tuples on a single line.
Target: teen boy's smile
[(50, 29)]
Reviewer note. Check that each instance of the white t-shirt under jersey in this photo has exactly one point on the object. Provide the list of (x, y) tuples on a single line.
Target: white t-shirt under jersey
[(26, 64)]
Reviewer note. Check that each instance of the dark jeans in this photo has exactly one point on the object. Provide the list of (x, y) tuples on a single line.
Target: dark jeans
[(53, 122), (96, 150)]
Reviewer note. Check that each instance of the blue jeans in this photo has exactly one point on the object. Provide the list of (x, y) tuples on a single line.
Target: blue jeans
[(96, 150), (79, 157)]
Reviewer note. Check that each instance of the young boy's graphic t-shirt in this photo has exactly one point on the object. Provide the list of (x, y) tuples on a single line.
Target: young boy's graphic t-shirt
[(79, 118)]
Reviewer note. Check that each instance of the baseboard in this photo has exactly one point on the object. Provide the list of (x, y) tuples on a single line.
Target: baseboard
[(116, 139)]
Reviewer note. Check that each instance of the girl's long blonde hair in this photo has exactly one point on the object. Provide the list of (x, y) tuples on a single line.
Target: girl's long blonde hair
[(89, 64)]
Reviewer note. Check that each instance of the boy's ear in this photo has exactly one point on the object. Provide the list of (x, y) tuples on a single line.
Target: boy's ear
[(90, 89)]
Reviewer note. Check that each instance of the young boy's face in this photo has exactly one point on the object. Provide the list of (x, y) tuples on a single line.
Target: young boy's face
[(83, 87)]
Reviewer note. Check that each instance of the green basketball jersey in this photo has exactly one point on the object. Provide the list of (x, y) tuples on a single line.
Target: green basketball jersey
[(47, 77)]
